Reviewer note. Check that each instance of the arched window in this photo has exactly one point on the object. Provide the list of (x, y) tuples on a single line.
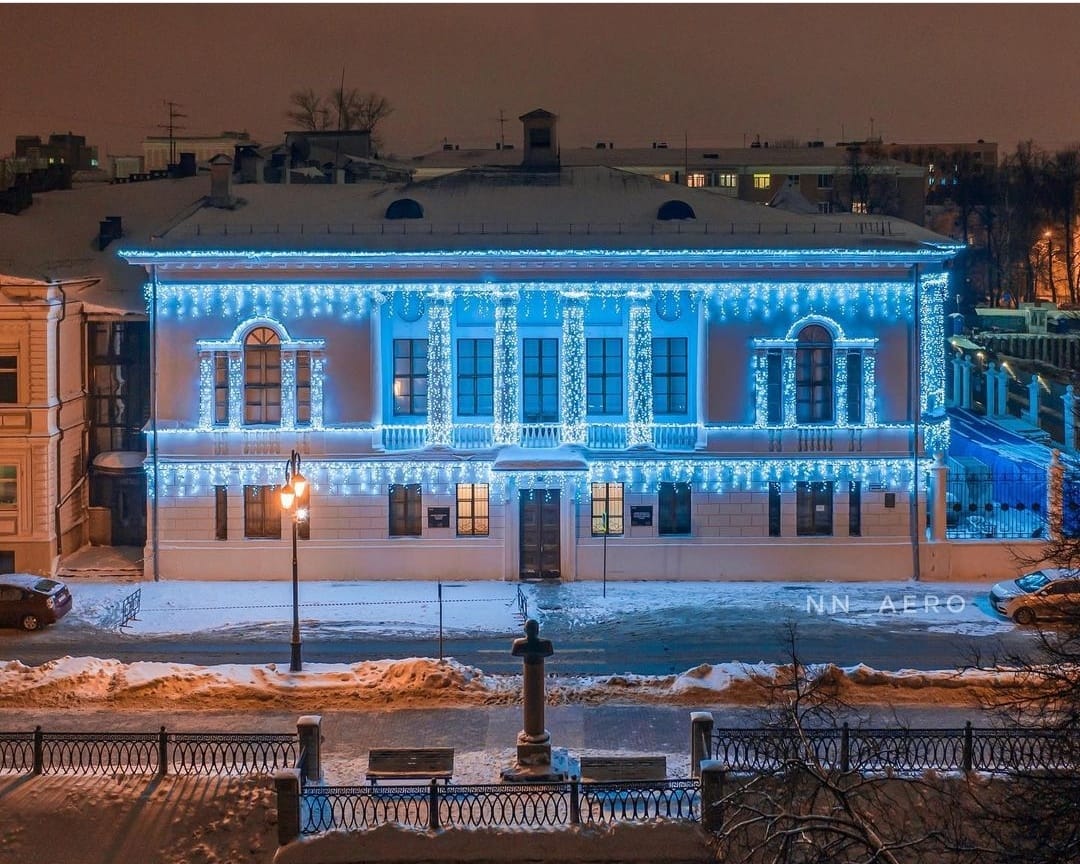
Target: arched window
[(814, 376), (262, 378)]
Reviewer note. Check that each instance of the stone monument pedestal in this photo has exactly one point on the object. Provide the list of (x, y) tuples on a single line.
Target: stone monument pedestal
[(535, 763)]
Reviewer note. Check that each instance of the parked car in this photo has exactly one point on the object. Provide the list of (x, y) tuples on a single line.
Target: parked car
[(1048, 593), (31, 602)]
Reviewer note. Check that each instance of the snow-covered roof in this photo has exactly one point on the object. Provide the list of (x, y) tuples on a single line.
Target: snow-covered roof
[(56, 237), (482, 208)]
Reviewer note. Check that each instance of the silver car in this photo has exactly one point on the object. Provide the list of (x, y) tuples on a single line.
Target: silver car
[(1049, 593)]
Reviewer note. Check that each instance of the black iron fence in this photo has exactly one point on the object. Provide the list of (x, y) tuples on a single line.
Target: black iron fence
[(161, 752), (1009, 505), (119, 614), (529, 805), (899, 750)]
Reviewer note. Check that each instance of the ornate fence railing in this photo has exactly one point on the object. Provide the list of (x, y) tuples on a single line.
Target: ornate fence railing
[(846, 749), (531, 805), (161, 752), (117, 615)]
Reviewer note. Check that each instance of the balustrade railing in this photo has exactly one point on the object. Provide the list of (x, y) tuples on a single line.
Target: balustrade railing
[(675, 436), (540, 435), (404, 437), (607, 436), (472, 436)]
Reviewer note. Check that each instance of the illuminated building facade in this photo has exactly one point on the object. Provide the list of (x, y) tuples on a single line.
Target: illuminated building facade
[(485, 371)]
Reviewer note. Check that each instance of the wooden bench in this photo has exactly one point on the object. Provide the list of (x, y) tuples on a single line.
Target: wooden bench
[(608, 769), (410, 763)]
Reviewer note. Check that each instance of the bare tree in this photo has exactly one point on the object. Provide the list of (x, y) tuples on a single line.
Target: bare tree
[(308, 111), (808, 811)]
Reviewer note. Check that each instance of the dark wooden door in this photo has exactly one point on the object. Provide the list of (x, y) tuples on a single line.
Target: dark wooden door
[(540, 534)]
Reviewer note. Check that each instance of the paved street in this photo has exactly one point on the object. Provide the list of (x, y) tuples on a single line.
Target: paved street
[(644, 628)]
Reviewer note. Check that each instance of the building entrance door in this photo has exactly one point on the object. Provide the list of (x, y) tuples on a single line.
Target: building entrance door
[(539, 545)]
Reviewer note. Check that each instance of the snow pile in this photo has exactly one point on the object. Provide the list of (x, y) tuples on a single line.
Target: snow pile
[(427, 682)]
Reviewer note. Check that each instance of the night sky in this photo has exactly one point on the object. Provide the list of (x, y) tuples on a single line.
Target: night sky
[(627, 74)]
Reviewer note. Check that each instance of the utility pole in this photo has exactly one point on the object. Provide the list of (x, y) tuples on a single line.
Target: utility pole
[(174, 115), (502, 124)]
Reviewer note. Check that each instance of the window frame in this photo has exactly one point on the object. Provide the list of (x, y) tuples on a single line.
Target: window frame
[(856, 410), (9, 479), (220, 359), (541, 378), (762, 182), (604, 499), (476, 377), (466, 496), (662, 380), (262, 379), (264, 525), (607, 384), (303, 365), (674, 510), (815, 385), (221, 512), (417, 405), (9, 378), (406, 509)]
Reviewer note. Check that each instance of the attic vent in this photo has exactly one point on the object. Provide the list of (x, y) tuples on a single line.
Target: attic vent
[(675, 210), (405, 208)]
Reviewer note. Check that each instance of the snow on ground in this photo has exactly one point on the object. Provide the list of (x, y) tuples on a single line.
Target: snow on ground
[(86, 681), (412, 609)]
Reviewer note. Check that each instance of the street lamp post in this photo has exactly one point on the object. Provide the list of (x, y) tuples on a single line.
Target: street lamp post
[(292, 492)]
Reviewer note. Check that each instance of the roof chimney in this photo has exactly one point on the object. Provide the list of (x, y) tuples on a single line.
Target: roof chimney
[(221, 181), (541, 141)]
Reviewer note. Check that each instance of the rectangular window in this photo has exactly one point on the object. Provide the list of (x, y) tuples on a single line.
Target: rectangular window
[(221, 388), (472, 510), (813, 509), (221, 513), (727, 181), (9, 492), (669, 375), (475, 378), (673, 515), (7, 561), (262, 513), (855, 508), (774, 383), (9, 379), (303, 388), (695, 180), (859, 207), (410, 376), (603, 372), (774, 509), (405, 507), (763, 181), (825, 181), (607, 509), (854, 388), (540, 381)]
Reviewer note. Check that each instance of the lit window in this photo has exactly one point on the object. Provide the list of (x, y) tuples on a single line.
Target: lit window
[(405, 507), (221, 388), (674, 508), (303, 388), (727, 181), (603, 365), (669, 375), (9, 379), (607, 509), (262, 377), (472, 510), (763, 181), (262, 513), (475, 378), (9, 493), (695, 180), (858, 207), (410, 376), (814, 376)]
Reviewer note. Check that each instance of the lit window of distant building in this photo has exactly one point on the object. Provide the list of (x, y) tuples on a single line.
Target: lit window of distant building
[(725, 181), (858, 207), (762, 181), (695, 180)]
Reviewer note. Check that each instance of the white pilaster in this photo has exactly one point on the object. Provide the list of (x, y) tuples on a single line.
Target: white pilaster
[(507, 370), (440, 384), (572, 380), (640, 401)]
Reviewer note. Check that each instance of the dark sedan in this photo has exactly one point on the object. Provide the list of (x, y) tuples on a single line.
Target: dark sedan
[(31, 602)]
